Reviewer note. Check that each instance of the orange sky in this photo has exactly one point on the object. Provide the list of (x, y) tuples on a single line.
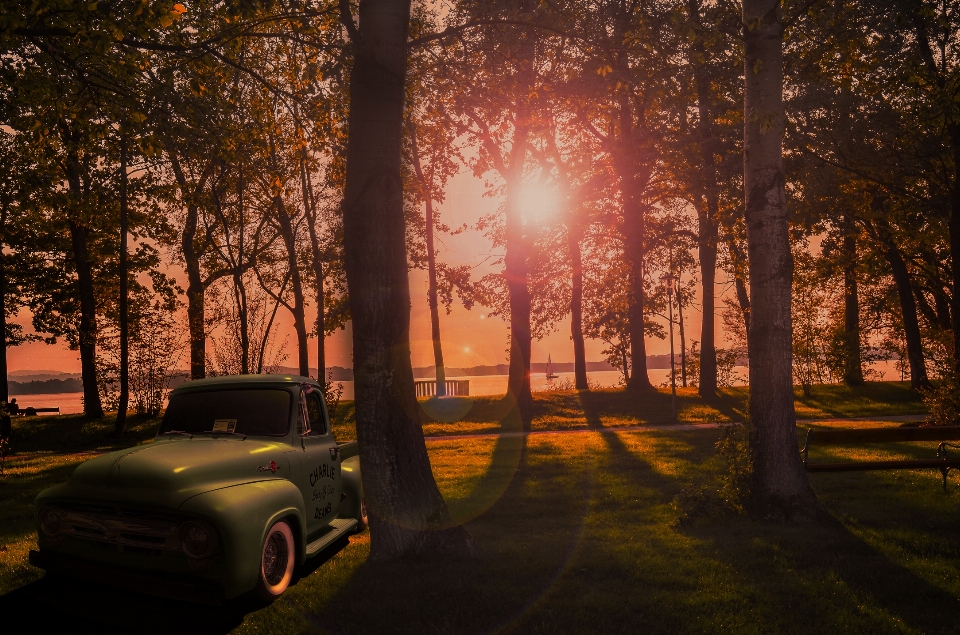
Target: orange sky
[(470, 338)]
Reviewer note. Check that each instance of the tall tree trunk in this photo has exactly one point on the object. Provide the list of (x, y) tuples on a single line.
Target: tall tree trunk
[(124, 313), (634, 230), (743, 300), (310, 205), (708, 211), (515, 266), (852, 363), (299, 314), (576, 307), (954, 226), (191, 260), (431, 268), (683, 338), (87, 332), (407, 513), (908, 306), (4, 386), (88, 322), (779, 482)]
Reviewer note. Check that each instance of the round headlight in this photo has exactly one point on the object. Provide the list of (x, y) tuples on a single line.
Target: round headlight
[(49, 521), (197, 540)]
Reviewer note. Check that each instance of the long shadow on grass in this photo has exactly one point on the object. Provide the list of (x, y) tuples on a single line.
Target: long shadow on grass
[(506, 462), (627, 462), (56, 603), (812, 579), (526, 541)]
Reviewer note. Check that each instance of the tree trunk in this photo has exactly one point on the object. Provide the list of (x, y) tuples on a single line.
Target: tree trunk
[(707, 216), (88, 322), (87, 332), (431, 269), (124, 317), (683, 339), (191, 260), (407, 513), (299, 314), (4, 386), (853, 363), (316, 254), (634, 230), (239, 287), (780, 484), (954, 226), (515, 258), (908, 306), (633, 246), (576, 307)]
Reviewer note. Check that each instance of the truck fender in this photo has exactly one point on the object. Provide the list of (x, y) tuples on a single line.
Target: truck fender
[(242, 515), (352, 487)]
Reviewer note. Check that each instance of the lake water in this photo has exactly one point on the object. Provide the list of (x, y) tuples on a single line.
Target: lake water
[(72, 402)]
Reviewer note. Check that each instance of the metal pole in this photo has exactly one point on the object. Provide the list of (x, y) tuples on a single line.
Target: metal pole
[(673, 374)]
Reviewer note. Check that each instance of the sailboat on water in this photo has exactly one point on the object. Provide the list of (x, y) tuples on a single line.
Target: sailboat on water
[(550, 373)]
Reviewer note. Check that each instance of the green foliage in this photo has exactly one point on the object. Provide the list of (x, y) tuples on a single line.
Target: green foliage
[(943, 400)]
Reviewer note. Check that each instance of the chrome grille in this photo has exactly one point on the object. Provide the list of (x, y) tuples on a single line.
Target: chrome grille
[(120, 526)]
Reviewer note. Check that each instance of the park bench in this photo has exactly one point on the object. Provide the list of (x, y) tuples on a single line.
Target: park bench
[(858, 436), (30, 411)]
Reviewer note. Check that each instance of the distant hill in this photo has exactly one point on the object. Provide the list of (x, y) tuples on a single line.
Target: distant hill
[(42, 381), (45, 386)]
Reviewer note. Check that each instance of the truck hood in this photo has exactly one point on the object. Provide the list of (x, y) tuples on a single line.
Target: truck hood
[(167, 472)]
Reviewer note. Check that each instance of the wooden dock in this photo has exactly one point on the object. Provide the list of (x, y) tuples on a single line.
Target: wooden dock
[(455, 387)]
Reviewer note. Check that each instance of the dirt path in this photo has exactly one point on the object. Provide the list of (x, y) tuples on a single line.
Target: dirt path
[(661, 428)]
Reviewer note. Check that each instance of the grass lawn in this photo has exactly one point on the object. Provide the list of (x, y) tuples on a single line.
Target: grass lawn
[(577, 533)]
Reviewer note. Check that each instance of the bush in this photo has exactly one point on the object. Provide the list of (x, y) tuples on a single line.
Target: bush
[(943, 400)]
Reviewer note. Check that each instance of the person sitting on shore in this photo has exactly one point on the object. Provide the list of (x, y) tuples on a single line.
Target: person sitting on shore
[(13, 407)]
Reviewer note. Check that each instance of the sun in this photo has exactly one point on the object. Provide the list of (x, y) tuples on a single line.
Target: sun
[(539, 203)]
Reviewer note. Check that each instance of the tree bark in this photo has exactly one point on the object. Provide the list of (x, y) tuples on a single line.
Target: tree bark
[(316, 254), (407, 513), (576, 307), (634, 229), (191, 260), (743, 300), (298, 311), (87, 331), (515, 259), (780, 484), (87, 335), (124, 317), (707, 215), (853, 363), (908, 306), (683, 339), (4, 386), (432, 300), (954, 226)]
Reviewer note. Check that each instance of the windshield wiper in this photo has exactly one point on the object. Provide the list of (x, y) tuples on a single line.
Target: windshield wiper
[(176, 432)]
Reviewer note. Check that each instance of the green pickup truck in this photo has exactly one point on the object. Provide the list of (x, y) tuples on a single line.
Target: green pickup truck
[(243, 482)]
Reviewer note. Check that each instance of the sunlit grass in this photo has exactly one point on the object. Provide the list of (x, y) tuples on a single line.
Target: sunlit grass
[(579, 533)]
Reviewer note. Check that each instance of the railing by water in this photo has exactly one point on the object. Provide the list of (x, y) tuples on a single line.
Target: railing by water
[(455, 387)]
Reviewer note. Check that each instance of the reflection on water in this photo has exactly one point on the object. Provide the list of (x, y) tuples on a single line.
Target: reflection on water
[(72, 402)]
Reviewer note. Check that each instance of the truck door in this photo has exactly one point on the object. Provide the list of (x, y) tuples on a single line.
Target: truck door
[(319, 461)]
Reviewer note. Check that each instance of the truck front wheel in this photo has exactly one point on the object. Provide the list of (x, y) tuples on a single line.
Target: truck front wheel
[(277, 560)]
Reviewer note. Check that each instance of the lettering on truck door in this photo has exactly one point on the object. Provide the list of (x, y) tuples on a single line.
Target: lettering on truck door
[(319, 461)]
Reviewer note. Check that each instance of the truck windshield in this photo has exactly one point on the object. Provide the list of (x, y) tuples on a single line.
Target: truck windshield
[(257, 412)]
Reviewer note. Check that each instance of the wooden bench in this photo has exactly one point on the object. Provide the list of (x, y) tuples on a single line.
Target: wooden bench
[(30, 411), (858, 436)]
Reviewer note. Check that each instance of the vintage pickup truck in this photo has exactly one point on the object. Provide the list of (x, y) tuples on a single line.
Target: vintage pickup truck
[(243, 482)]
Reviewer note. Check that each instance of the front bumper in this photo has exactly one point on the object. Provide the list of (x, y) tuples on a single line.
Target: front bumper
[(158, 585)]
